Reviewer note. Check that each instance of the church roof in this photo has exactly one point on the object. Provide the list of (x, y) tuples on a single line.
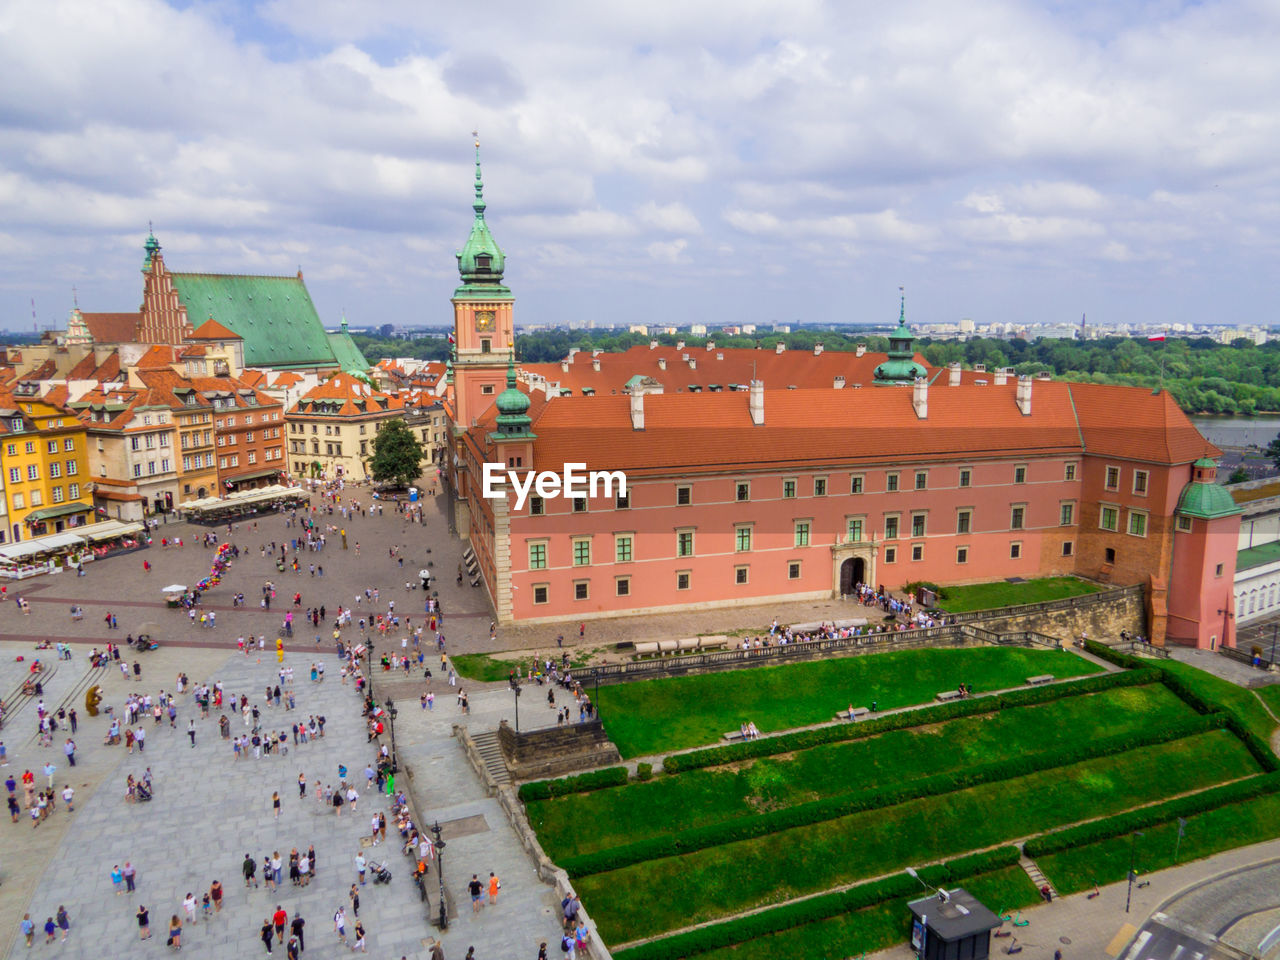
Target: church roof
[(346, 352), (274, 316)]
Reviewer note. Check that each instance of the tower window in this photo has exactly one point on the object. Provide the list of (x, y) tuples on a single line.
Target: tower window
[(486, 345), (483, 261)]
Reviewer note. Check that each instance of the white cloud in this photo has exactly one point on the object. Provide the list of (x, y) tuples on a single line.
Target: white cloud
[(970, 142)]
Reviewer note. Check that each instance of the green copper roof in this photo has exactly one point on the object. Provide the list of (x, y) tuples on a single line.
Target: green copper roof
[(1205, 462), (152, 247), (1207, 501), (901, 367), (274, 315), (346, 352), (1257, 556), (480, 261)]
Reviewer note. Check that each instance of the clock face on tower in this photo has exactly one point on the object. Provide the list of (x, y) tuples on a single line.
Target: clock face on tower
[(484, 320)]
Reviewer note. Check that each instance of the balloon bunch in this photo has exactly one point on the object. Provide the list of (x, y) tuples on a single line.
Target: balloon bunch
[(221, 560)]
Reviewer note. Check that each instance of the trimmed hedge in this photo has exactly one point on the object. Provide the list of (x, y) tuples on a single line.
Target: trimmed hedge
[(767, 746), (1123, 823), (821, 907), (746, 828), (583, 782)]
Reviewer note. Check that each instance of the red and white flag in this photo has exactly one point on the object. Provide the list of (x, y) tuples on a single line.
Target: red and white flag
[(1157, 337), (451, 340)]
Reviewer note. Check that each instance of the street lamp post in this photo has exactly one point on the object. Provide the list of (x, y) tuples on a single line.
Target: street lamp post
[(368, 645), (443, 921), (391, 713), (1133, 853), (1275, 628), (515, 688)]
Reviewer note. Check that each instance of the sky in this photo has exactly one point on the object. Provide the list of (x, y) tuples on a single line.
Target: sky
[(668, 162)]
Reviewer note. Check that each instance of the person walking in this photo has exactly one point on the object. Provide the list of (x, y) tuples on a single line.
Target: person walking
[(266, 934), (302, 778), (359, 944), (250, 870), (279, 919), (144, 923), (191, 732), (130, 876), (189, 906), (275, 803), (477, 893), (215, 894), (340, 925), (117, 879), (354, 896), (494, 886), (360, 866), (175, 932), (64, 922), (296, 929), (28, 928)]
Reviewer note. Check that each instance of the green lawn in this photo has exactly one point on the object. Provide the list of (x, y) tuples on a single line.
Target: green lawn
[(653, 716), (482, 667), (1232, 698), (649, 898), (872, 928), (1213, 831), (620, 815), (1001, 593), (1271, 696)]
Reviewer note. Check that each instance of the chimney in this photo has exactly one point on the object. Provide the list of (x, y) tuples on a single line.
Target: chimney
[(573, 352), (979, 368), (920, 397), (1002, 376), (637, 409), (662, 363), (755, 402), (780, 347), (838, 383), (862, 349), (564, 366), (711, 345), (1024, 396), (693, 363), (720, 355), (595, 364), (1044, 375), (653, 344), (953, 374), (679, 344), (596, 352), (817, 349)]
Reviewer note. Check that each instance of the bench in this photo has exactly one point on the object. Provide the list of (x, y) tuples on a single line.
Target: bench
[(1043, 678), (733, 735), (855, 714), (645, 647), (946, 695), (713, 643)]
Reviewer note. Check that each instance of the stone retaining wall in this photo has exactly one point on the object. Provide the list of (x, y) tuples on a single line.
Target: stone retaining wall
[(556, 750), (1102, 620)]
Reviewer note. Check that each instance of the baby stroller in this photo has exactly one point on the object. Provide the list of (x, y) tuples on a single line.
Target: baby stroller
[(380, 873), (142, 792)]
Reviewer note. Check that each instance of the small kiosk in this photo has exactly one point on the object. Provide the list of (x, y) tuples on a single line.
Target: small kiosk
[(951, 925)]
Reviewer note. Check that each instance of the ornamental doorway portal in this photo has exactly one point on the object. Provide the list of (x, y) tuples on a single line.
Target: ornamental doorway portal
[(852, 563)]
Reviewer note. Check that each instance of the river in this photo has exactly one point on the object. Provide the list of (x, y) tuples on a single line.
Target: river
[(1238, 431)]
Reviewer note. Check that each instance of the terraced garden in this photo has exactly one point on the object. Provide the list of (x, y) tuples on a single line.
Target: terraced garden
[(806, 836)]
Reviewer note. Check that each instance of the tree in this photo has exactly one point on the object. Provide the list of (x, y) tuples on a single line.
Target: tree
[(1273, 451), (397, 455), (1238, 475)]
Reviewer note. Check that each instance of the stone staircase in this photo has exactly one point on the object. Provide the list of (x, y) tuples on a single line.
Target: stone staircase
[(1038, 878), (491, 754)]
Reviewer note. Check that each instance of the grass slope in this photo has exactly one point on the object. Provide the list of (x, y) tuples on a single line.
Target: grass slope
[(1234, 699), (622, 814), (874, 928), (1211, 832), (652, 716), (650, 898), (482, 667), (1000, 593)]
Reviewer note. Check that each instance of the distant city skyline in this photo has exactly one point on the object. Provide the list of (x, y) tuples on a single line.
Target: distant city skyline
[(760, 162)]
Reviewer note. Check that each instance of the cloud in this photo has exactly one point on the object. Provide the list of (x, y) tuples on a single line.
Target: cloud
[(973, 146)]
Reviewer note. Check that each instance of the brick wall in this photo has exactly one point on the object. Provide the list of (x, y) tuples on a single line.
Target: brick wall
[(556, 750)]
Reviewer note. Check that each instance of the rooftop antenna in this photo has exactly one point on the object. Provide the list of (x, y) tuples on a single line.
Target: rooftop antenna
[(75, 297)]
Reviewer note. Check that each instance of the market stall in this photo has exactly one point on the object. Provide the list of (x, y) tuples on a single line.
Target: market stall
[(110, 537), (50, 554)]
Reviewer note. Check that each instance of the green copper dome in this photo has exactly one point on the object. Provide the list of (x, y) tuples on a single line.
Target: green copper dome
[(480, 262), (901, 367), (152, 247), (513, 407)]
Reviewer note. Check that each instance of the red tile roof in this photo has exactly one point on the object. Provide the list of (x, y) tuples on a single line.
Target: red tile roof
[(211, 329), (723, 366), (713, 432), (157, 357), (112, 327), (346, 396)]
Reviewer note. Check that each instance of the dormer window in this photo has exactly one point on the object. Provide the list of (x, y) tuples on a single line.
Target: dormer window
[(482, 263)]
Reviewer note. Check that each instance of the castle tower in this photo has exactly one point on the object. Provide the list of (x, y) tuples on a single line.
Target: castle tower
[(482, 318)]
